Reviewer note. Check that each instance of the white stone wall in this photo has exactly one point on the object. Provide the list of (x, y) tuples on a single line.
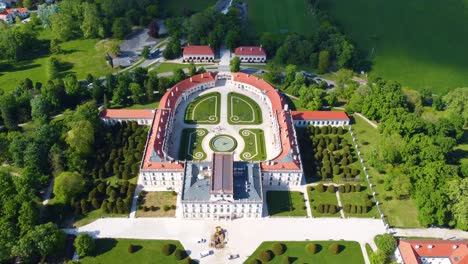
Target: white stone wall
[(198, 57), (111, 121), (165, 179), (279, 178), (252, 59), (304, 123), (221, 209)]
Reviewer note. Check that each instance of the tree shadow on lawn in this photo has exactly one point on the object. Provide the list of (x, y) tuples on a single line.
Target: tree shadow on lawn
[(105, 245), (19, 66), (279, 202)]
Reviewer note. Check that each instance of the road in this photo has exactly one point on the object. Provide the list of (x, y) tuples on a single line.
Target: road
[(243, 235), (442, 233)]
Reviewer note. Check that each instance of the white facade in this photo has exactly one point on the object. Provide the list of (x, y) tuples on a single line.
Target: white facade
[(252, 58), (222, 209), (198, 57), (140, 121), (281, 178), (163, 178), (305, 123)]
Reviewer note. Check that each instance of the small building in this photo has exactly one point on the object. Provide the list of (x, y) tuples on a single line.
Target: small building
[(431, 251), (320, 118), (251, 54), (142, 117), (198, 54), (3, 6), (9, 15)]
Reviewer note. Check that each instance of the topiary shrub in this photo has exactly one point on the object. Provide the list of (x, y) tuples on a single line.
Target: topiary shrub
[(347, 188), (386, 243), (255, 261), (320, 208), (347, 208), (341, 189), (266, 255), (179, 254), (131, 248), (167, 249), (334, 248), (319, 188), (358, 209), (287, 260), (311, 248), (353, 209), (166, 208), (330, 188), (187, 261), (278, 249), (332, 209), (358, 187)]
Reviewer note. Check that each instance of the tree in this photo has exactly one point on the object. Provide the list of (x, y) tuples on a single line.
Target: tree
[(178, 75), (67, 185), (153, 29), (137, 93), (232, 39), (457, 103), (386, 242), (323, 61), (278, 249), (48, 239), (28, 217), (192, 69), (92, 26), (55, 46), (114, 48), (63, 26), (457, 190), (84, 245), (290, 74), (235, 64), (53, 68), (145, 52), (81, 137), (121, 27), (8, 109)]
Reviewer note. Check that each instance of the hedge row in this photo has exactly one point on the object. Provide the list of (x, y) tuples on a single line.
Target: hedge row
[(347, 188), (324, 130), (321, 188), (327, 208), (356, 209)]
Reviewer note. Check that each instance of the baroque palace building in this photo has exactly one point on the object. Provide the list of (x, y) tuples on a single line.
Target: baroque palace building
[(221, 187)]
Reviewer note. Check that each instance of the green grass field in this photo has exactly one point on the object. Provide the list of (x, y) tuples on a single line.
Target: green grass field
[(172, 8), (79, 57), (110, 250), (243, 110), (286, 203), (419, 43), (399, 213), (255, 148), (316, 198), (351, 252), (191, 144), (278, 16), (204, 109), (144, 106)]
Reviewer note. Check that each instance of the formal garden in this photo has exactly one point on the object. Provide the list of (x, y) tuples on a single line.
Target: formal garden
[(156, 204), (286, 203), (191, 144), (254, 148), (205, 109), (357, 201), (108, 250), (243, 110), (333, 157), (323, 201), (323, 252)]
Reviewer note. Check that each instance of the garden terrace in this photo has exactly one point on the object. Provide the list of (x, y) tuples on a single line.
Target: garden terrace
[(286, 203), (324, 197), (156, 204), (296, 251), (255, 149), (243, 110)]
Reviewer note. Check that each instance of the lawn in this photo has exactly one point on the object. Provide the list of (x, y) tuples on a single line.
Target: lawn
[(94, 215), (170, 67), (243, 110), (144, 106), (350, 252), (286, 203), (399, 213), (204, 109), (279, 16), (157, 201), (79, 57), (254, 149), (174, 8), (110, 250), (316, 198), (191, 144), (419, 43)]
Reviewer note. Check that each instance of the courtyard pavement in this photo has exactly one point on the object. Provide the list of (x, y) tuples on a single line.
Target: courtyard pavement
[(243, 235)]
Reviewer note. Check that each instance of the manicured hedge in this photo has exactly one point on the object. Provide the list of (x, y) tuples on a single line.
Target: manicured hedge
[(167, 249), (266, 255), (278, 249), (311, 248)]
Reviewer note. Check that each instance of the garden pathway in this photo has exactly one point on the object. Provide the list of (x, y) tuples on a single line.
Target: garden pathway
[(340, 206), (244, 235), (307, 203), (443, 233)]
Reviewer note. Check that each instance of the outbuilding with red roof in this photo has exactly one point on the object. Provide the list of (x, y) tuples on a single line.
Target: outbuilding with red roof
[(198, 53), (251, 54), (320, 118), (9, 15), (432, 251)]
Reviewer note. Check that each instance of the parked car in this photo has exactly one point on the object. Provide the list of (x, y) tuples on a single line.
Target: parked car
[(205, 253), (232, 256)]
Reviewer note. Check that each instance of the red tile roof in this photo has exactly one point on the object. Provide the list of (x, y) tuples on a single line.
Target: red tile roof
[(319, 115), (198, 50), (13, 10), (127, 113), (412, 250), (165, 111), (250, 51), (288, 141)]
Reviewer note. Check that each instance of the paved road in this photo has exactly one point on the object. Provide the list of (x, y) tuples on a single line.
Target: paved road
[(243, 235), (442, 233)]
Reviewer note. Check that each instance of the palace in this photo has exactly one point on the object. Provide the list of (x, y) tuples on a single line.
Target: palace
[(223, 185)]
